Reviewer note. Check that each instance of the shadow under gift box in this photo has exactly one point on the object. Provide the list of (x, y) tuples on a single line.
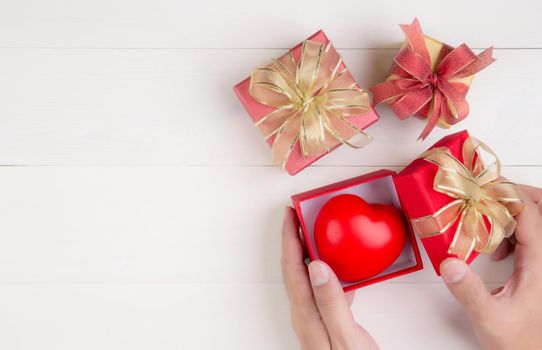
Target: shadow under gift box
[(256, 110), (375, 187)]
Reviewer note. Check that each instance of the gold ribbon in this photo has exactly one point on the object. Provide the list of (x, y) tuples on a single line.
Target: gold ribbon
[(482, 199), (313, 98)]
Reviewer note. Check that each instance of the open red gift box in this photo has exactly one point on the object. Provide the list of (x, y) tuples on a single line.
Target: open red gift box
[(375, 187), (413, 192)]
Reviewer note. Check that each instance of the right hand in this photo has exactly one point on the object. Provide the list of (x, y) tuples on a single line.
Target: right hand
[(510, 317)]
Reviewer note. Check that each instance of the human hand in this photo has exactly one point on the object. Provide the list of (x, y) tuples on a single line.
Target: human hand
[(319, 309), (509, 317)]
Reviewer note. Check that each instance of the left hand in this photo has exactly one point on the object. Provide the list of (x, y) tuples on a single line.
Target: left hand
[(320, 310)]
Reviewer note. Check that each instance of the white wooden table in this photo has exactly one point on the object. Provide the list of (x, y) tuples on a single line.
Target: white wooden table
[(139, 208)]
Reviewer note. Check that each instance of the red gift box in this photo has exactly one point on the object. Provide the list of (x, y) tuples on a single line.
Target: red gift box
[(376, 187), (296, 161), (430, 79), (415, 187)]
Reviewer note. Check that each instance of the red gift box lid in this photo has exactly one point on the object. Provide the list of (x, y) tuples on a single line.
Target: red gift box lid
[(415, 186)]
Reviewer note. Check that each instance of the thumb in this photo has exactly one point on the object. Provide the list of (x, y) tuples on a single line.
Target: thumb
[(465, 285), (331, 302)]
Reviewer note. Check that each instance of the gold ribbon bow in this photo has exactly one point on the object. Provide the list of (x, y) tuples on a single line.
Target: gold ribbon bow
[(313, 98), (482, 200)]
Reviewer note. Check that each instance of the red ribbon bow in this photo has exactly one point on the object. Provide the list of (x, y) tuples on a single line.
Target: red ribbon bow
[(415, 88)]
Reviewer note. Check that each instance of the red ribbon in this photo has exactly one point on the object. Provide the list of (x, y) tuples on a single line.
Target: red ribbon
[(418, 89)]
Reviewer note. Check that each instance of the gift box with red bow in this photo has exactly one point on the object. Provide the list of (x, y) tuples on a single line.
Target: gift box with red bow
[(306, 103), (452, 197), (430, 80)]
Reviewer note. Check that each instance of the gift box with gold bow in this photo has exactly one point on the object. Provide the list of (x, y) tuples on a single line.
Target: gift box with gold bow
[(430, 80), (456, 200), (306, 103)]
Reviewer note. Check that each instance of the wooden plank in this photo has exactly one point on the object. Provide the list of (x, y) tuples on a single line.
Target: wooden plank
[(199, 316), (182, 316), (176, 107), (237, 23), (163, 224)]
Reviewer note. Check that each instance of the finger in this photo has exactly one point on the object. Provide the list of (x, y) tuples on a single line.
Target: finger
[(534, 193), (501, 291), (350, 297), (527, 232), (292, 250), (466, 286), (528, 247), (502, 250), (332, 305), (306, 319)]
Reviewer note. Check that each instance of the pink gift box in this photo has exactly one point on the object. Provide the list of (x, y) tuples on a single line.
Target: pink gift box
[(296, 162)]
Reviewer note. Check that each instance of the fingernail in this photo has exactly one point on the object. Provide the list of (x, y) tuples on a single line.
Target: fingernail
[(318, 273), (453, 270)]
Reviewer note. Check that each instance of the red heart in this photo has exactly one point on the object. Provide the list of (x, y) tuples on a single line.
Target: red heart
[(357, 239)]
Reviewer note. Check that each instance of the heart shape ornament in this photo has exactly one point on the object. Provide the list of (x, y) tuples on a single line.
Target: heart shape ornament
[(357, 239)]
